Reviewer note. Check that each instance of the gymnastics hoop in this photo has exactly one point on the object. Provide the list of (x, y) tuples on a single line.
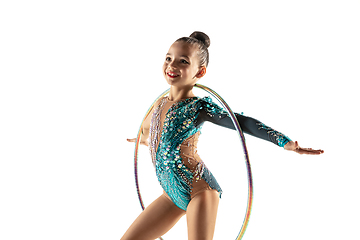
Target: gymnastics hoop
[(242, 139)]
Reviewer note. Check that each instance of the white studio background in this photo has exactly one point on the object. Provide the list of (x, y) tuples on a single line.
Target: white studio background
[(78, 76)]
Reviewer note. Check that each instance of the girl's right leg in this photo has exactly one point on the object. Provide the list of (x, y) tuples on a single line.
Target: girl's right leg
[(158, 218)]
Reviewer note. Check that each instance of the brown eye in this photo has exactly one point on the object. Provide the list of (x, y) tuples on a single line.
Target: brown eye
[(168, 59), (184, 61)]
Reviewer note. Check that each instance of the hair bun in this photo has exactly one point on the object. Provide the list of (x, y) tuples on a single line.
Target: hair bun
[(202, 37)]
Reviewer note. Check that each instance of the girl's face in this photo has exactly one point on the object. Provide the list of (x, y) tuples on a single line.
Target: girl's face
[(181, 67)]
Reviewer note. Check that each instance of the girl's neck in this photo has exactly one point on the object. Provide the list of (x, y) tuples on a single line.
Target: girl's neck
[(177, 94)]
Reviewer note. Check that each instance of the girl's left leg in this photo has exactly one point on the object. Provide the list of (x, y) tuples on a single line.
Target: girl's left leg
[(201, 215)]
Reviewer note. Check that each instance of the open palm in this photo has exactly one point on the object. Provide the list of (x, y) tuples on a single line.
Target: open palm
[(294, 146)]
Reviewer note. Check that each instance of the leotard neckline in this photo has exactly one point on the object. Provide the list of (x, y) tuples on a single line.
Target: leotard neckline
[(167, 98)]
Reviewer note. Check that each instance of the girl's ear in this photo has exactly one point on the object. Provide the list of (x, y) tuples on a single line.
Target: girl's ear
[(201, 72)]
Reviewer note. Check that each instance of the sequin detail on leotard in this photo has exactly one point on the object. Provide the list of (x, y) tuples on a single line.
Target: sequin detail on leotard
[(280, 138), (179, 124), (155, 129)]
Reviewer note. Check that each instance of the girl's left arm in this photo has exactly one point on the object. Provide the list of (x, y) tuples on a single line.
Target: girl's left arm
[(213, 113)]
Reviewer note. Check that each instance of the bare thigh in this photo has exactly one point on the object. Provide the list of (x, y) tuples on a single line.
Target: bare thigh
[(201, 215), (158, 218)]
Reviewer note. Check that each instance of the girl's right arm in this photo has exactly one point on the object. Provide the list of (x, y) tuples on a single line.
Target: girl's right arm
[(145, 128), (144, 131)]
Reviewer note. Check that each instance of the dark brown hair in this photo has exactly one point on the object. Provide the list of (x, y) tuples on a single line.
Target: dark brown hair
[(203, 42)]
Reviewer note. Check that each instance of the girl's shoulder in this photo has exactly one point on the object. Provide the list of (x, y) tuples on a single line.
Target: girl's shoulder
[(207, 104), (157, 102), (206, 101)]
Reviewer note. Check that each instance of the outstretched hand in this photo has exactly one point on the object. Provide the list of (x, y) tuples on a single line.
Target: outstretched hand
[(146, 143), (294, 146)]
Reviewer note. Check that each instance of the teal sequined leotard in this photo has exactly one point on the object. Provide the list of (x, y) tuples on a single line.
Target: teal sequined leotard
[(174, 131)]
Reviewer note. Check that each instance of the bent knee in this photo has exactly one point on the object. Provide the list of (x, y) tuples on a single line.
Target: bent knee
[(207, 195)]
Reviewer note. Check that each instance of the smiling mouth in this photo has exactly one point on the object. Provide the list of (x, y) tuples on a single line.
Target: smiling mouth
[(172, 74)]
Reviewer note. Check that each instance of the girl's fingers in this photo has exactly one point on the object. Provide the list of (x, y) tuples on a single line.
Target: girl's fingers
[(309, 151), (146, 143)]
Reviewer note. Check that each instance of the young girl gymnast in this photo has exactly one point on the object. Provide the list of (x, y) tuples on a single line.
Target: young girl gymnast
[(173, 126)]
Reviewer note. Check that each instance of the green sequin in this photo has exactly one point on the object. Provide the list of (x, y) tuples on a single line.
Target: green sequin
[(280, 138)]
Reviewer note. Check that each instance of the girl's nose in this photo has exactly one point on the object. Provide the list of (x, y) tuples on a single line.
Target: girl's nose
[(172, 64)]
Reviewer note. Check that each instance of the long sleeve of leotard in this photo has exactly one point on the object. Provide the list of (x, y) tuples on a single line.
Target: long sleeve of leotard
[(211, 112)]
